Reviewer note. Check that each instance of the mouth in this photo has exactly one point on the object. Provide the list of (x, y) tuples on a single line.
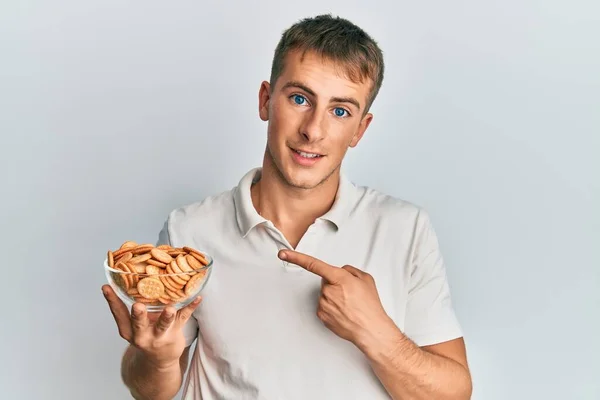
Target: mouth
[(305, 158), (308, 155)]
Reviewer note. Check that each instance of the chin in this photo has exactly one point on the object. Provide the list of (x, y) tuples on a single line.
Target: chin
[(302, 178)]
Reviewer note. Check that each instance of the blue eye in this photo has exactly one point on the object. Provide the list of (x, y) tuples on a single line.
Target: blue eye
[(340, 112), (299, 99)]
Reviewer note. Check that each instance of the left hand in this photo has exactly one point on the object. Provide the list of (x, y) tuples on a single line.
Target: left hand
[(349, 304)]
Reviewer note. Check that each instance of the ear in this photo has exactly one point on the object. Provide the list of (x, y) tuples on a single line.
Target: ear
[(264, 95), (364, 124)]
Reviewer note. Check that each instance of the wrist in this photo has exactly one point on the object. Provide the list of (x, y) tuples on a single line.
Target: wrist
[(382, 341), (155, 362)]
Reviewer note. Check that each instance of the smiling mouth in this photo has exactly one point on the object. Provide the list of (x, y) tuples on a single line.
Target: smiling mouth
[(307, 155)]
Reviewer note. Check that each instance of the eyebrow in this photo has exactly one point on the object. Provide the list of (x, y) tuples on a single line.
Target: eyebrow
[(308, 90)]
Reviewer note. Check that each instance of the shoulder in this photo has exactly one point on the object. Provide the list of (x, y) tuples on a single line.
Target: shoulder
[(207, 212), (396, 210)]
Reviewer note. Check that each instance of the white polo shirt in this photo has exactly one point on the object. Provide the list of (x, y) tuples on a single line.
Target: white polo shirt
[(258, 333)]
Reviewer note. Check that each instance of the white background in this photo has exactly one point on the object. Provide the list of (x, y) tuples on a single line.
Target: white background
[(113, 113)]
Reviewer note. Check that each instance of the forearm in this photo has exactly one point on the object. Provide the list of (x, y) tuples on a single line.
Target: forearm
[(148, 381), (410, 373)]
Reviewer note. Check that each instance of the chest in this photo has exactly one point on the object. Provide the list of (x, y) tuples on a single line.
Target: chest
[(254, 301)]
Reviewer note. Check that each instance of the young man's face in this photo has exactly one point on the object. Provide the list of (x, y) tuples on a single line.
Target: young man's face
[(312, 109)]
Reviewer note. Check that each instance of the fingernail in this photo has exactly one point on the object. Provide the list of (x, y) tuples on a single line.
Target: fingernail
[(104, 292), (282, 254)]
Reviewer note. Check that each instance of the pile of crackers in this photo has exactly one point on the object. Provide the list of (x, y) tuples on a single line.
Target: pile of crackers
[(161, 275)]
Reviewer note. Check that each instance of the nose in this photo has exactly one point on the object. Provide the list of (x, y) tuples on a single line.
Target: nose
[(313, 127)]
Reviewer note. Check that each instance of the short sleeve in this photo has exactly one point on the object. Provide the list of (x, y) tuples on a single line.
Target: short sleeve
[(430, 316), (190, 329)]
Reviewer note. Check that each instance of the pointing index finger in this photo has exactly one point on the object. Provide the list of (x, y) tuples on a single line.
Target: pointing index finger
[(329, 273)]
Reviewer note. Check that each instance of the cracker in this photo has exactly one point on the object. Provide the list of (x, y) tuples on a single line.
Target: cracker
[(199, 257), (175, 295), (194, 283), (183, 264), (161, 256), (111, 259), (132, 276), (140, 258), (127, 282), (168, 282), (150, 288), (193, 262), (175, 268), (139, 268), (128, 244), (152, 270), (156, 263), (124, 257), (142, 248)]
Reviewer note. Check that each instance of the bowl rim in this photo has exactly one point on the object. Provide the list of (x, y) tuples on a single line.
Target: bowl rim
[(118, 271)]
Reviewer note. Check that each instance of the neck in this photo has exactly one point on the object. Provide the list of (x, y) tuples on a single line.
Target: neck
[(292, 210)]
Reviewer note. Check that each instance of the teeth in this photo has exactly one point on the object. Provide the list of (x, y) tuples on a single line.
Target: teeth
[(307, 155)]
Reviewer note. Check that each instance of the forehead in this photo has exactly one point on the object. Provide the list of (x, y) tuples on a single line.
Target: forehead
[(325, 77)]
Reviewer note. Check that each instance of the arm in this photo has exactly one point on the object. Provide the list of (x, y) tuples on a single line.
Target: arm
[(432, 363), (154, 363), (408, 371), (145, 380)]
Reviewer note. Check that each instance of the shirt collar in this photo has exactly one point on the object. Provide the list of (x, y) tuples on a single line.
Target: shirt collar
[(247, 216)]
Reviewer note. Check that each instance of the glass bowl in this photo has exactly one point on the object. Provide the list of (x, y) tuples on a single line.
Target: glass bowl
[(157, 276)]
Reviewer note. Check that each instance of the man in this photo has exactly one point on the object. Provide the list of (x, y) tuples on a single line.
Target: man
[(321, 289)]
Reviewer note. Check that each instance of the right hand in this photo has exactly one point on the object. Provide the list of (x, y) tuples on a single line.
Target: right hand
[(158, 335)]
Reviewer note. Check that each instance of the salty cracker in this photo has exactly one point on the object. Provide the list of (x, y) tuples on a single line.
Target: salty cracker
[(169, 283), (128, 244), (152, 270), (164, 247), (175, 295), (193, 284), (193, 262), (127, 279), (151, 288), (176, 279), (183, 264), (156, 263), (175, 252), (199, 257), (120, 280), (141, 299), (124, 257), (111, 259), (175, 268), (139, 268), (132, 276), (142, 248), (120, 252), (141, 258), (161, 256)]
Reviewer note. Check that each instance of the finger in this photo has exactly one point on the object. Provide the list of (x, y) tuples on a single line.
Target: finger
[(354, 271), (186, 312), (139, 319), (119, 311), (165, 320), (330, 273)]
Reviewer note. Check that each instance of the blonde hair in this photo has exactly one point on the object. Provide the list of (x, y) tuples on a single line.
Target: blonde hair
[(338, 40)]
